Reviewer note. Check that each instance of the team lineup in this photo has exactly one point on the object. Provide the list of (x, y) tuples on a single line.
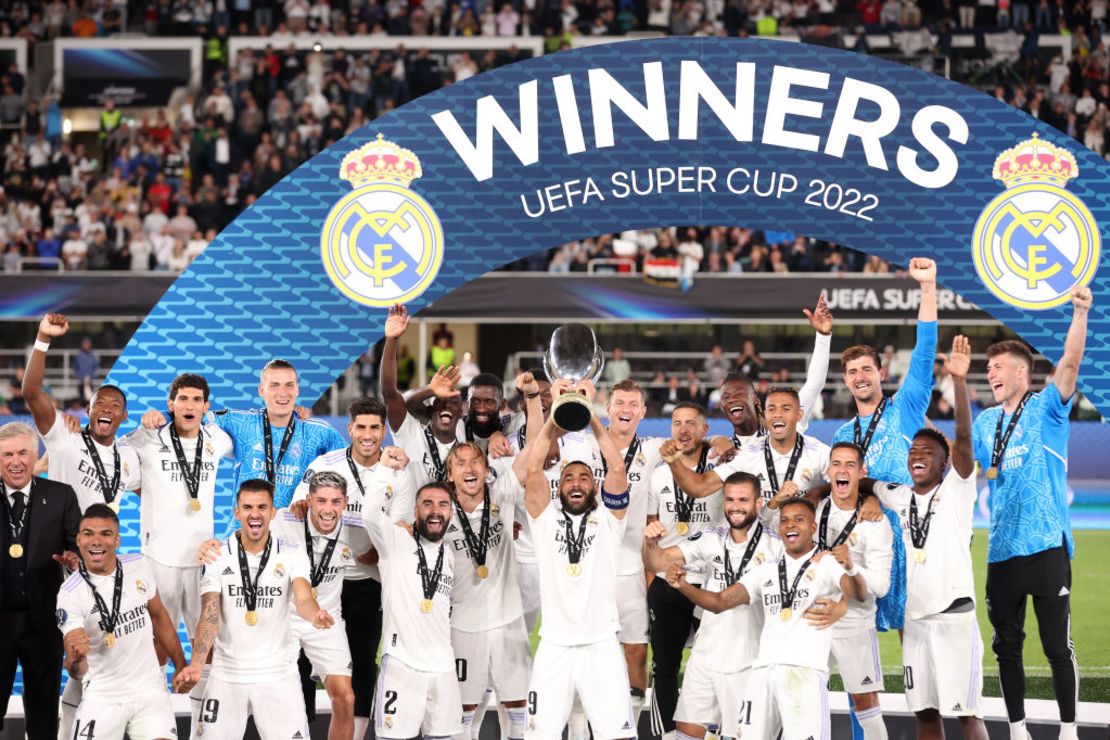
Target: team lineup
[(779, 555)]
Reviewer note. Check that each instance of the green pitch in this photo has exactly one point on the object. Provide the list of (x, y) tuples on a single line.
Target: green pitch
[(1090, 602)]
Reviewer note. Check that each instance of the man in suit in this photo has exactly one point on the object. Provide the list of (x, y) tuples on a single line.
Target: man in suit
[(39, 520)]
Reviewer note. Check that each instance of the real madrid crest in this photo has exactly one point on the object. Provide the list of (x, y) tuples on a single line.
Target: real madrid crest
[(1035, 241), (381, 244), (279, 571)]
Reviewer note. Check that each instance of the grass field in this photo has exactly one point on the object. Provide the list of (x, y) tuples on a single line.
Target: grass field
[(1090, 603)]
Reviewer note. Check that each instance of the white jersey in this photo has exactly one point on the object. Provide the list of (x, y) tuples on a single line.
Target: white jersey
[(328, 591), (511, 423), (728, 642), (871, 545), (262, 652), (400, 495), (573, 447), (421, 640), (794, 641), (578, 609), (412, 437), (70, 462), (946, 573), (752, 458), (480, 604), (130, 667), (170, 530), (663, 503)]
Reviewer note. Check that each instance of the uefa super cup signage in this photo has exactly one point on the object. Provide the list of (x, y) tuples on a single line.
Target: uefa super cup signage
[(878, 156)]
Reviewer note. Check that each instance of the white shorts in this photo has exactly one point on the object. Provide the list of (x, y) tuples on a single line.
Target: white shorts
[(500, 657), (789, 698), (633, 609), (179, 589), (855, 656), (943, 664), (711, 697), (528, 578), (408, 702), (145, 717), (597, 673), (327, 650), (277, 708)]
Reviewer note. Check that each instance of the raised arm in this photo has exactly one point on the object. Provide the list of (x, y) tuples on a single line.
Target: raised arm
[(821, 319), (1067, 370), (537, 491), (442, 385), (924, 271), (41, 407), (958, 364), (714, 601), (693, 484), (854, 582), (656, 559), (530, 391), (395, 325)]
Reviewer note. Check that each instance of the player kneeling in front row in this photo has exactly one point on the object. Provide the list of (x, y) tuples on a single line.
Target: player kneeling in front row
[(110, 615), (245, 614), (788, 688), (577, 546), (942, 649)]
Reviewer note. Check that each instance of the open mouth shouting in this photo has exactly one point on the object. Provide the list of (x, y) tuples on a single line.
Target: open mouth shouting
[(97, 554), (842, 484), (778, 427), (255, 527), (102, 425), (792, 534)]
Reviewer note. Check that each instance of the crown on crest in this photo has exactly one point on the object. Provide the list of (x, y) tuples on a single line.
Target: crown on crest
[(380, 161), (1035, 160)]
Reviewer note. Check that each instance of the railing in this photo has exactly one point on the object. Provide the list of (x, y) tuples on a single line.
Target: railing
[(59, 265), (628, 265)]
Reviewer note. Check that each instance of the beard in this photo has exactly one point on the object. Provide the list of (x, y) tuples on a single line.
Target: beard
[(589, 503), (484, 430), (422, 528), (744, 523)]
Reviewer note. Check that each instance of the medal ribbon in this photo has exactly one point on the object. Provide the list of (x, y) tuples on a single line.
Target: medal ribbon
[(433, 449), (1002, 440), (795, 456), (865, 441), (286, 438), (428, 579), (107, 488), (628, 458), (250, 590), (919, 530), (316, 574), (354, 473), (732, 576), (787, 601), (575, 546), (823, 530), (683, 504), (108, 619), (16, 529), (476, 545), (191, 476)]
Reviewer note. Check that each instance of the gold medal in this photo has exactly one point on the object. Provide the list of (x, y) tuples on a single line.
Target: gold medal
[(574, 570), (786, 614), (483, 571), (315, 593), (16, 550), (110, 640), (426, 606), (252, 618), (194, 504), (114, 505), (919, 555), (682, 528), (992, 473)]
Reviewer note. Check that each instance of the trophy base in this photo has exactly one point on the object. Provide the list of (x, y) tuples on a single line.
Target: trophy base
[(571, 412)]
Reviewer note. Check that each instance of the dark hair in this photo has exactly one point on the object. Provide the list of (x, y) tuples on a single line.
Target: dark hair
[(630, 386), (278, 364), (848, 446), (368, 406), (487, 380), (99, 511), (189, 380), (785, 390), (799, 501), (735, 377), (255, 485), (857, 351), (741, 477), (933, 434), (1012, 347), (437, 485), (114, 389), (691, 405)]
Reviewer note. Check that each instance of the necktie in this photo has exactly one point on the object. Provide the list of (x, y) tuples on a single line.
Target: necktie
[(18, 505)]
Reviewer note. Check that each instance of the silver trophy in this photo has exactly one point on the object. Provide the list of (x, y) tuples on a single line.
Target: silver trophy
[(573, 354)]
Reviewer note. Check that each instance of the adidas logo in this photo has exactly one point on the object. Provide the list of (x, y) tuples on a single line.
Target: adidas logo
[(866, 681), (452, 528), (626, 726), (298, 736), (228, 571), (716, 558), (768, 584), (957, 708), (1063, 591)]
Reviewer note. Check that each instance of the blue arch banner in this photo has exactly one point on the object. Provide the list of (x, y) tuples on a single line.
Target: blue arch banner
[(878, 156)]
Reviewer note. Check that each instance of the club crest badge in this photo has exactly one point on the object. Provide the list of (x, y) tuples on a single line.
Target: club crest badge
[(382, 243), (1035, 241)]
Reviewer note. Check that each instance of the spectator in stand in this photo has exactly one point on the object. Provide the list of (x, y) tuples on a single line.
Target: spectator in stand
[(468, 370), (442, 353), (716, 366), (86, 364), (749, 363), (617, 368)]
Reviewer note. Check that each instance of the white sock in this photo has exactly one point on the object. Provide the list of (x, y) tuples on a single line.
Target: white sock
[(1018, 731), (467, 721), (578, 727), (196, 701), (871, 720), (502, 721), (517, 719), (361, 725), (1069, 731), (480, 714), (679, 735), (71, 698)]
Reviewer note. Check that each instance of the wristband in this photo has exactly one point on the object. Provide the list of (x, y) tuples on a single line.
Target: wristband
[(42, 346), (615, 501), (853, 571), (530, 396)]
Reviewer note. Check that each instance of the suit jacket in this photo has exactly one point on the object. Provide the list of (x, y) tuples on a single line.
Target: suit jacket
[(51, 529)]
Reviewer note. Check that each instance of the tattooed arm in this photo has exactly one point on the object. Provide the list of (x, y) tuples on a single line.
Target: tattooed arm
[(204, 637)]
